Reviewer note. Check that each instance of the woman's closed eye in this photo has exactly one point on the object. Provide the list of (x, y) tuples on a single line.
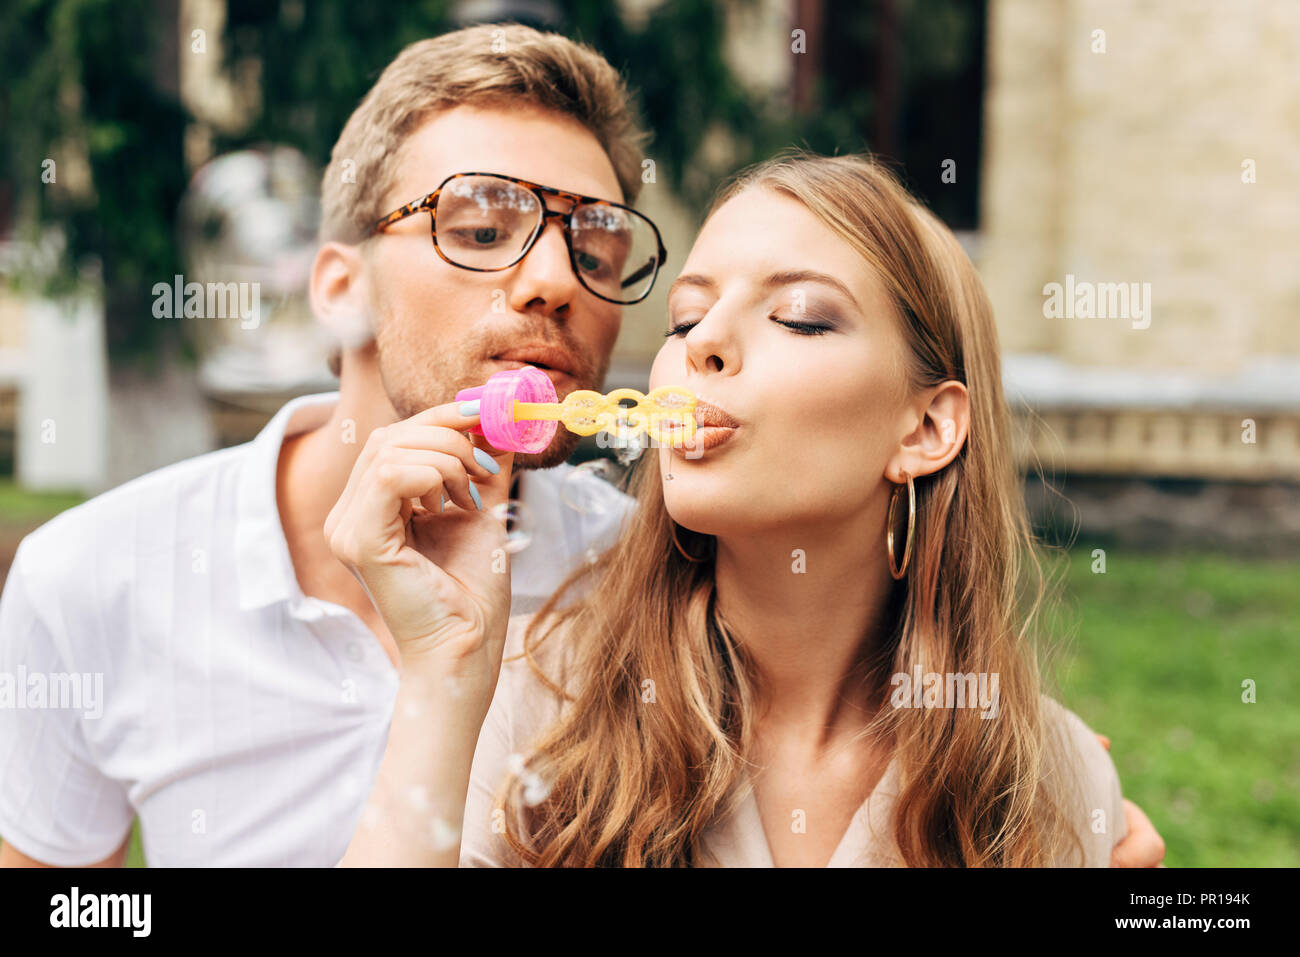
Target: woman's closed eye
[(799, 328)]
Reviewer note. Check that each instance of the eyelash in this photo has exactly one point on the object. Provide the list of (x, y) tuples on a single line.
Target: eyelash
[(800, 328)]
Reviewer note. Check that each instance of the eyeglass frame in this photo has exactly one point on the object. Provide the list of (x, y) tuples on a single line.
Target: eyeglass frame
[(430, 203)]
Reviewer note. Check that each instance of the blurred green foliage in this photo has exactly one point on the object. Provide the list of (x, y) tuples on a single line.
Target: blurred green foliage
[(94, 80)]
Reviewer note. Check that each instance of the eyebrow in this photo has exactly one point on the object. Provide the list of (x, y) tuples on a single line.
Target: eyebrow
[(789, 277)]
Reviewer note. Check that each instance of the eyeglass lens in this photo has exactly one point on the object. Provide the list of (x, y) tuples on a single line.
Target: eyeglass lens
[(486, 223)]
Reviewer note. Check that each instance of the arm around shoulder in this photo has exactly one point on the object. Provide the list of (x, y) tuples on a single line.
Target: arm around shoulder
[(1094, 804)]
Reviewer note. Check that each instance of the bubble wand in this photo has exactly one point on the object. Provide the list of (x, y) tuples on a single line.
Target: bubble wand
[(519, 411)]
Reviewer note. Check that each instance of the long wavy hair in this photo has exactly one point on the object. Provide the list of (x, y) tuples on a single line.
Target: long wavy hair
[(633, 784)]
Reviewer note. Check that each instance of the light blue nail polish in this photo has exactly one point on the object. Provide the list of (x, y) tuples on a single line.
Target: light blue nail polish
[(485, 460), (478, 499), (468, 408), (442, 503)]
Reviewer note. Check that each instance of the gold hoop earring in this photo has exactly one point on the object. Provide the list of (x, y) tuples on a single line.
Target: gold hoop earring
[(911, 525), (672, 530)]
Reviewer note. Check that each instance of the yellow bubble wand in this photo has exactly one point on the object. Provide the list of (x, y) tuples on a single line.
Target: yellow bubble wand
[(512, 417)]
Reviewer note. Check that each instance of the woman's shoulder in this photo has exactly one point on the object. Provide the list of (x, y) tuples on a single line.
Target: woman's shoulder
[(1088, 783)]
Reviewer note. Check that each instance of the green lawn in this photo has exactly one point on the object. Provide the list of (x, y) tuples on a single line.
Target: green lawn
[(1160, 645), (20, 506), (1161, 648)]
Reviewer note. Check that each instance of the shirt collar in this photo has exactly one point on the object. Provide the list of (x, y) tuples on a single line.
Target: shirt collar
[(263, 565)]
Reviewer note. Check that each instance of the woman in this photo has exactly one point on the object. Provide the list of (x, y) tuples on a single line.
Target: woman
[(761, 671)]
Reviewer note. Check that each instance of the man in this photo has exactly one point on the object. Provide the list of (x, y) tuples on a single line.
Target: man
[(248, 682), (245, 697)]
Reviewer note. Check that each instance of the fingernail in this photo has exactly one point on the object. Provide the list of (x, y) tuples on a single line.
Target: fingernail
[(468, 408), (478, 499), (485, 460), (442, 503)]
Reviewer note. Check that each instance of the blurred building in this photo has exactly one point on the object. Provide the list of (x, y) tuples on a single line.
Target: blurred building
[(1154, 144)]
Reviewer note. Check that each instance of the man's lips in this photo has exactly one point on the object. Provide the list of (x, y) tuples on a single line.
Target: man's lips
[(542, 355)]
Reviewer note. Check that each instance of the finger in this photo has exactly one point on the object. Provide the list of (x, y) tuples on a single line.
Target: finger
[(377, 506), (454, 484), (375, 441), (475, 460), (1142, 845), (447, 416), (495, 489)]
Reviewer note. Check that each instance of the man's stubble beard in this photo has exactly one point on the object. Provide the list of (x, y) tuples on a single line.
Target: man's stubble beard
[(413, 387)]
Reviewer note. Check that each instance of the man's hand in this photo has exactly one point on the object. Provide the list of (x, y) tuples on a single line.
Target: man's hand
[(1142, 846)]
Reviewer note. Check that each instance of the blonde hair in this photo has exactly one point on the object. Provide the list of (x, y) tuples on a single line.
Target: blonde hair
[(546, 70), (461, 68), (637, 785)]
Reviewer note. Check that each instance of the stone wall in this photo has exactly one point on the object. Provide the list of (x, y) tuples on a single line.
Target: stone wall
[(1120, 138)]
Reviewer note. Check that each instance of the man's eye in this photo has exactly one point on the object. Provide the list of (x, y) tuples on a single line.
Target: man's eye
[(480, 236), (587, 262)]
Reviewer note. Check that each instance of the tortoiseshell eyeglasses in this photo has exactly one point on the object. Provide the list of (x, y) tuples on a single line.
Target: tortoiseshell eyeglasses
[(487, 222)]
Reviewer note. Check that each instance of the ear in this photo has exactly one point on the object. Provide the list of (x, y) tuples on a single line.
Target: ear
[(339, 295), (942, 416)]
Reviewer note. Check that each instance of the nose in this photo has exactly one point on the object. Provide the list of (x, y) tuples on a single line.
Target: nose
[(711, 345), (544, 279)]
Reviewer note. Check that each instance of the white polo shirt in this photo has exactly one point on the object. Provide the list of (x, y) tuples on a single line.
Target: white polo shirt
[(242, 721)]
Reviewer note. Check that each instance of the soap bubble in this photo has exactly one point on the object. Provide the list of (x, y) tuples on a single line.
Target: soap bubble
[(581, 494), (518, 521), (535, 790), (443, 835), (629, 450), (627, 443)]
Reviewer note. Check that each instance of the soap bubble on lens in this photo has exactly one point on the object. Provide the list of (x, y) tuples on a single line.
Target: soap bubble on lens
[(518, 521), (581, 494)]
